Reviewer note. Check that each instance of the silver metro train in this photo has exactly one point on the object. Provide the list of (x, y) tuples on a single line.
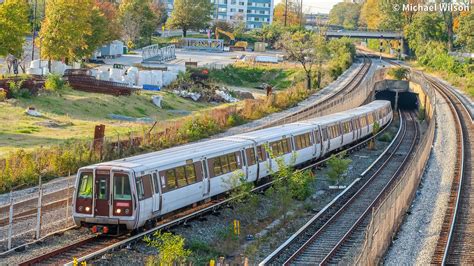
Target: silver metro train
[(130, 192)]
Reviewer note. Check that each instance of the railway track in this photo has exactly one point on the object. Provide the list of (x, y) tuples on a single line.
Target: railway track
[(455, 244), (325, 237)]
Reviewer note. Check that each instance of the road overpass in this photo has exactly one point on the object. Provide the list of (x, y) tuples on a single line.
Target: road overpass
[(364, 34)]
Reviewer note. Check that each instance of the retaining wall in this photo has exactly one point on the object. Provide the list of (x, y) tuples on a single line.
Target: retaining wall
[(388, 215)]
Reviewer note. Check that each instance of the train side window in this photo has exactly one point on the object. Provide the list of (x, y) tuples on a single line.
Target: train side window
[(250, 152), (144, 187), (225, 164), (122, 187), (217, 166), (302, 141), (286, 148), (170, 179), (140, 189), (156, 185), (261, 153), (232, 161), (85, 186), (191, 173), (181, 176)]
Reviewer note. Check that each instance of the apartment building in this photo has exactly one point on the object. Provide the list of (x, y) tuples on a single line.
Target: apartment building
[(254, 13)]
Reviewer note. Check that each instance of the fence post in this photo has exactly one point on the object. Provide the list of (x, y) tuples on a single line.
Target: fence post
[(10, 221), (38, 213)]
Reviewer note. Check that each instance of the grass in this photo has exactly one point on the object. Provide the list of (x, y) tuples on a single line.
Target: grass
[(76, 113), (244, 75)]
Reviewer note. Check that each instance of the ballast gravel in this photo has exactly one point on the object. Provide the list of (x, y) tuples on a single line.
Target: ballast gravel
[(416, 240)]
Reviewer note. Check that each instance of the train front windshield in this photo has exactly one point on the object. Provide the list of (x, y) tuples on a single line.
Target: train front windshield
[(122, 201)]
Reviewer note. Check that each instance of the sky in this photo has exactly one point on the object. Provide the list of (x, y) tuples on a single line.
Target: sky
[(316, 6)]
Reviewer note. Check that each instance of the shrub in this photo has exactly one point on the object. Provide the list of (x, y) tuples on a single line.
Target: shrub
[(170, 248), (199, 128), (399, 73), (17, 90), (54, 82), (337, 167)]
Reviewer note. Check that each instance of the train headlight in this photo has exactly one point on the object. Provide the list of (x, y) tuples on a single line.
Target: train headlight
[(80, 208), (127, 211), (118, 211), (88, 209)]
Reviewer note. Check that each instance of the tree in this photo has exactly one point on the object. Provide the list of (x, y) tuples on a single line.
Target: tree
[(371, 14), (345, 14), (66, 29), (425, 27), (307, 49), (170, 248), (190, 15), (465, 33), (139, 20), (399, 73), (337, 167), (110, 13), (293, 17), (14, 26)]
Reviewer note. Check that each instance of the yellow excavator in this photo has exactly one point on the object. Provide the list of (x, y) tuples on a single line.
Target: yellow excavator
[(234, 46)]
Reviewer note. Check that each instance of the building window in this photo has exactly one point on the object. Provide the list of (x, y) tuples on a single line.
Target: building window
[(241, 11), (232, 10), (262, 12)]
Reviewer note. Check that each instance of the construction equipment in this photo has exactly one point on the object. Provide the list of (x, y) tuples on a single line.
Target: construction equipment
[(238, 46)]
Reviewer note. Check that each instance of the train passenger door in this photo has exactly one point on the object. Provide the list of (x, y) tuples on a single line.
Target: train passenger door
[(157, 196), (206, 180), (101, 193)]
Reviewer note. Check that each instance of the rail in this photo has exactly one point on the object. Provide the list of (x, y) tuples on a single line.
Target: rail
[(319, 248), (387, 217), (448, 244)]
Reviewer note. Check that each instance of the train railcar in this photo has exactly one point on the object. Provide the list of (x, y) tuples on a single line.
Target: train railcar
[(130, 192)]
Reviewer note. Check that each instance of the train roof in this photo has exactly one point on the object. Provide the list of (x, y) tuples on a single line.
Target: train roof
[(206, 148)]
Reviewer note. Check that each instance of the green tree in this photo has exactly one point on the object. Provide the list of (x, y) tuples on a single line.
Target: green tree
[(190, 15), (139, 20), (65, 31), (342, 54), (307, 49), (14, 26), (465, 32), (170, 248), (345, 14), (426, 26), (337, 167)]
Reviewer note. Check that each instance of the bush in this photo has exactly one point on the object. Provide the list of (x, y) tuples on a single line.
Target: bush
[(54, 82), (170, 248), (338, 166), (399, 73), (199, 128), (17, 90)]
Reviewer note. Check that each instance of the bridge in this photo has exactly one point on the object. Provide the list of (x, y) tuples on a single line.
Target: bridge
[(364, 34)]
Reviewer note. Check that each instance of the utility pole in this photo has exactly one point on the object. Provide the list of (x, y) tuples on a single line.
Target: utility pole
[(286, 11), (301, 14), (34, 31)]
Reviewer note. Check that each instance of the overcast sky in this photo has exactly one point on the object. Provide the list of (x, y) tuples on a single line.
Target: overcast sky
[(315, 6)]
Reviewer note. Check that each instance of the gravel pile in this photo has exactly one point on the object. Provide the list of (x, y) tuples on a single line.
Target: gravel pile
[(417, 237)]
